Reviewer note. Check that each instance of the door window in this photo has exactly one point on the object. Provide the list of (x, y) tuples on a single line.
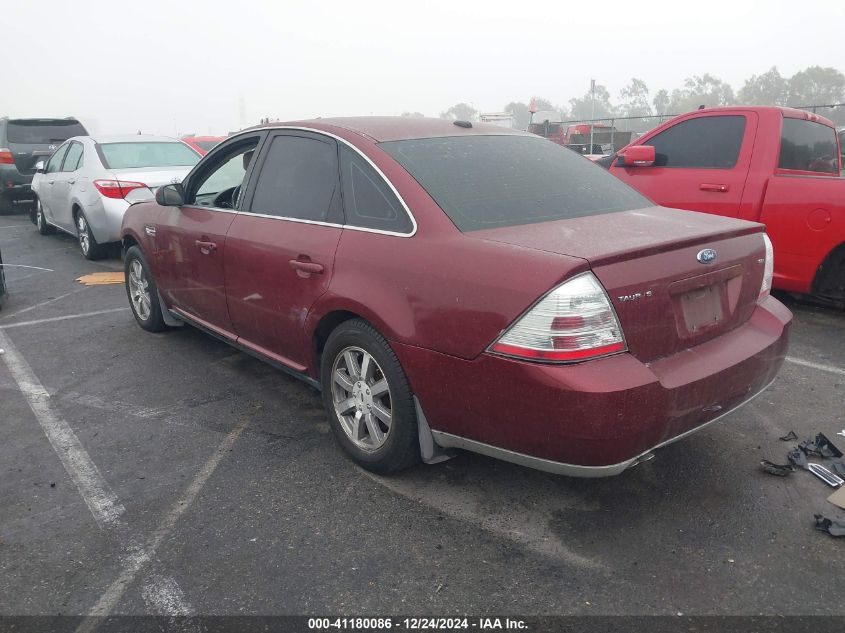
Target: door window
[(222, 175), (55, 162), (368, 202), (808, 146), (299, 179), (73, 158), (710, 142)]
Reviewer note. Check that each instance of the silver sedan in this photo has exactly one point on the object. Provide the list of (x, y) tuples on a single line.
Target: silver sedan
[(87, 185)]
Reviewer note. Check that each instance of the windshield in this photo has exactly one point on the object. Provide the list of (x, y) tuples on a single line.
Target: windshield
[(43, 131), (491, 181), (147, 154)]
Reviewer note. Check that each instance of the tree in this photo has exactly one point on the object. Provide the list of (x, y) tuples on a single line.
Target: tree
[(413, 115), (661, 102), (582, 109), (699, 90), (766, 89), (816, 86), (635, 99), (519, 112), (460, 112)]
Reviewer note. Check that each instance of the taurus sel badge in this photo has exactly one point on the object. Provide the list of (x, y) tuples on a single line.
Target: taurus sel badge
[(706, 256)]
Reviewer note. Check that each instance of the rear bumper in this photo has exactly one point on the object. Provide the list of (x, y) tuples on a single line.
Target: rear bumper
[(15, 184), (595, 418)]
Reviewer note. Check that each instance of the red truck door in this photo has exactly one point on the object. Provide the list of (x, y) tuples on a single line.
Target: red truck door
[(701, 164)]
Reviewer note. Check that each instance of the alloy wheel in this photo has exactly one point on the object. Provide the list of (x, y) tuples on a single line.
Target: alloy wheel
[(361, 397), (84, 236), (139, 290)]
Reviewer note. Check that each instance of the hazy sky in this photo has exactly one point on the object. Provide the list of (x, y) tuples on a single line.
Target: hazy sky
[(212, 66)]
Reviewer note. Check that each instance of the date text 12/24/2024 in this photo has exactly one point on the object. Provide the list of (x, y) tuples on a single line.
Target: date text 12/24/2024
[(416, 624)]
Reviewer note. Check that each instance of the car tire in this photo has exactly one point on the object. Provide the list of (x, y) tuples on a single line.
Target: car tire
[(142, 292), (6, 206), (372, 412), (87, 242), (39, 219)]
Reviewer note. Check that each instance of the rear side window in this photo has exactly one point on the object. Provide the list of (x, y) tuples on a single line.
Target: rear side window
[(484, 182), (73, 158), (55, 162), (299, 180), (368, 202), (711, 142), (144, 154), (808, 146), (43, 131)]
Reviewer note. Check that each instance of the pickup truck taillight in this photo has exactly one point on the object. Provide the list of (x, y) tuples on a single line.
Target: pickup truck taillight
[(768, 269), (574, 322), (117, 189), (6, 157)]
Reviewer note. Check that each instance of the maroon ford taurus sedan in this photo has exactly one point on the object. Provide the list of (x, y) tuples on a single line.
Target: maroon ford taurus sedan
[(462, 286)]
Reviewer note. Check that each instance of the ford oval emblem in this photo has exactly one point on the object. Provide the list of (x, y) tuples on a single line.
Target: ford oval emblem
[(706, 256)]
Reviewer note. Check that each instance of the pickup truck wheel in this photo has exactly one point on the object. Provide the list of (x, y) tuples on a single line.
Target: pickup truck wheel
[(829, 283), (368, 399), (142, 292), (87, 242), (40, 220)]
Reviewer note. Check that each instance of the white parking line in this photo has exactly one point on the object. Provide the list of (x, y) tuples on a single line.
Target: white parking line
[(144, 555), (62, 318), (165, 597), (39, 305), (819, 366), (49, 270), (98, 496)]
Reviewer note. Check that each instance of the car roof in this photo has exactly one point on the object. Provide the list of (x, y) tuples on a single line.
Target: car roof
[(394, 128), (134, 138)]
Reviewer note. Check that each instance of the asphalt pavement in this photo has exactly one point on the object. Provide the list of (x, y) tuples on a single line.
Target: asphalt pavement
[(170, 474)]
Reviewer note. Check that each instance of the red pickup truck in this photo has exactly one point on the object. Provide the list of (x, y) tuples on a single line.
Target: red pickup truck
[(778, 166)]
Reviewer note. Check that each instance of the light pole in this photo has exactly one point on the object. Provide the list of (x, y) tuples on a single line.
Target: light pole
[(592, 113)]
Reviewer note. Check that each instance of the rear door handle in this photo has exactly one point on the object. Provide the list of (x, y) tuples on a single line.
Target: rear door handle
[(71, 182), (708, 186), (206, 247), (309, 268)]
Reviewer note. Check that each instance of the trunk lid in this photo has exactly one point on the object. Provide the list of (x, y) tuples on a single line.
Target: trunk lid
[(647, 260), (153, 177)]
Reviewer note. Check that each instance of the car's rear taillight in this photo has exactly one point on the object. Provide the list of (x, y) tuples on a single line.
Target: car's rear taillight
[(6, 157), (117, 188), (574, 322), (768, 269)]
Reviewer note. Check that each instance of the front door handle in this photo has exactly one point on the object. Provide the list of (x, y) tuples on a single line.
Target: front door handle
[(708, 186), (71, 182), (206, 247), (305, 269)]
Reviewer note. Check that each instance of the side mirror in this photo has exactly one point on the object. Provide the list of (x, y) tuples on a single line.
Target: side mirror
[(39, 167), (637, 156), (170, 196)]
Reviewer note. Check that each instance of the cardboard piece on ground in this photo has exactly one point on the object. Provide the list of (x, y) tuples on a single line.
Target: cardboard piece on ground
[(838, 497)]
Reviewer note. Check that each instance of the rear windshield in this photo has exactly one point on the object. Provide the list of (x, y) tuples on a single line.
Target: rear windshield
[(43, 131), (154, 154), (808, 146), (491, 181), (206, 145)]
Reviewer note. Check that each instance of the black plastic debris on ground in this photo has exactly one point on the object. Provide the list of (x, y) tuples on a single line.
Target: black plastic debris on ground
[(820, 446), (797, 457), (834, 527), (779, 470), (792, 435)]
